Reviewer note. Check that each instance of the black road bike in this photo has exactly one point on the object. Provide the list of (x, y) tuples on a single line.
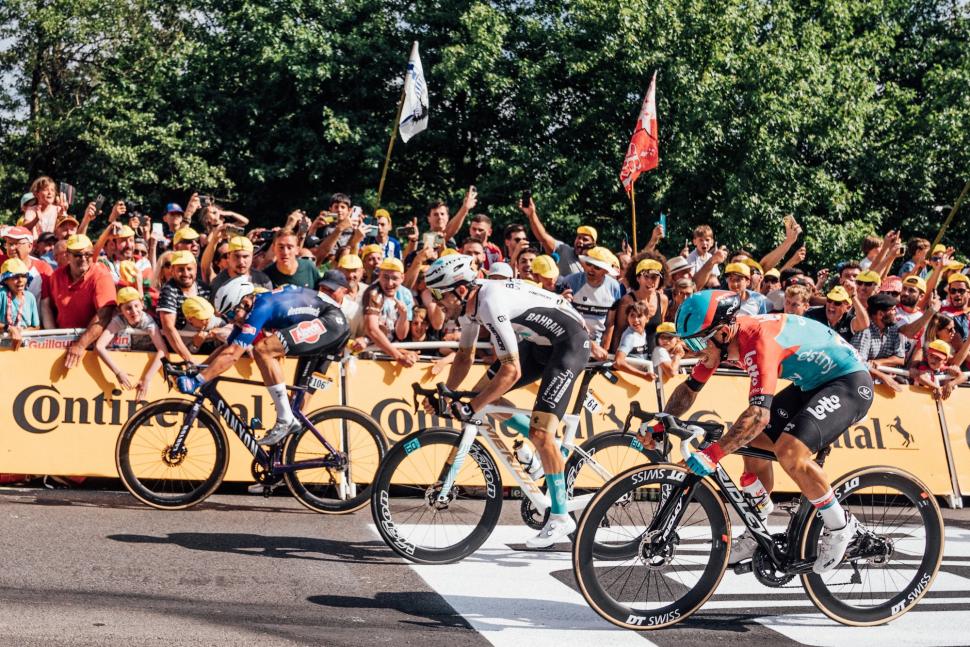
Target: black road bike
[(173, 453), (669, 538)]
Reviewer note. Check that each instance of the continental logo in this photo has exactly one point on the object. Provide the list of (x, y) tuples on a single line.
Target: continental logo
[(41, 408)]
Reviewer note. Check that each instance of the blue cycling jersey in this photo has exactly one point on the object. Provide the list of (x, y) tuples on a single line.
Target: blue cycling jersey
[(283, 307)]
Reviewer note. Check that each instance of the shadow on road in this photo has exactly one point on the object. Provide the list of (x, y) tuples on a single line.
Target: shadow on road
[(414, 603), (324, 550)]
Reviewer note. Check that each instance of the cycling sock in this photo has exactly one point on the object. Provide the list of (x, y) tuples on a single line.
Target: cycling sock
[(519, 423), (556, 486), (281, 402), (832, 513)]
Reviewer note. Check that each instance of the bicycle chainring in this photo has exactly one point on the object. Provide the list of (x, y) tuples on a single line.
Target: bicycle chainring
[(530, 515), (766, 572), (262, 474)]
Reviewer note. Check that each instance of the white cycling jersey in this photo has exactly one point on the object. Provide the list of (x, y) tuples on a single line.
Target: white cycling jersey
[(513, 310)]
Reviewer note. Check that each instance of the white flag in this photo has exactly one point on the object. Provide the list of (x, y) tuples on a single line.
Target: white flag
[(414, 112)]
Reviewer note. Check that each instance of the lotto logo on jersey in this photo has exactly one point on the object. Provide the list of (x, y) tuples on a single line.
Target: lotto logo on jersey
[(248, 330), (825, 406), (308, 332), (752, 369)]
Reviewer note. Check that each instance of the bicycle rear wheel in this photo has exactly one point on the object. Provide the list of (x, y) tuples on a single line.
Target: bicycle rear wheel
[(613, 452), (891, 564), (405, 502), (339, 489), (655, 584), (152, 474)]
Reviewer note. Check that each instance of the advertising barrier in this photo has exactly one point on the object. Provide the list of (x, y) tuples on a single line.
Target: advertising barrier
[(54, 421)]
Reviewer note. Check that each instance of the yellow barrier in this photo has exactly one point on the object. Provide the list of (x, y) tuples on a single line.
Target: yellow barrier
[(57, 422)]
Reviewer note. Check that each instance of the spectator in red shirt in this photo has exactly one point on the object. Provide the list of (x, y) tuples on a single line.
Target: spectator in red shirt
[(82, 295), (18, 241)]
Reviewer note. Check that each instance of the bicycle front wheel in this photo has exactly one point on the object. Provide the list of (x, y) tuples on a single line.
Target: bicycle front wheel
[(598, 460), (156, 475), (892, 562), (334, 487), (412, 516), (658, 582)]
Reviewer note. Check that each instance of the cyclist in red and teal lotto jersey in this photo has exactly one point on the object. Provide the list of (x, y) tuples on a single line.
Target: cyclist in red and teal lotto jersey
[(830, 390)]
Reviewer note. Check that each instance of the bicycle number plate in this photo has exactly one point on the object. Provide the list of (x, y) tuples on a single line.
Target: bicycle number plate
[(592, 403), (319, 383)]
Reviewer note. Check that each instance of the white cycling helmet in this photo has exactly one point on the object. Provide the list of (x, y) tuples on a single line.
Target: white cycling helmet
[(449, 272), (229, 295)]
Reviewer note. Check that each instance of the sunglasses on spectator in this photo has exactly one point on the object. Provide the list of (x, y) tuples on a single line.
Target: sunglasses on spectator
[(309, 258), (82, 254), (649, 275), (140, 252), (519, 239), (957, 290), (772, 279), (836, 303)]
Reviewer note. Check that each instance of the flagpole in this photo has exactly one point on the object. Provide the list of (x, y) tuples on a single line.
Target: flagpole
[(390, 144), (949, 218), (633, 207)]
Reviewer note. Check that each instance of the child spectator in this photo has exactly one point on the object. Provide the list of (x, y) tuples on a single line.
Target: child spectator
[(703, 244), (18, 305), (668, 351), (132, 315), (937, 367), (420, 331), (201, 317), (797, 298), (870, 249), (633, 343)]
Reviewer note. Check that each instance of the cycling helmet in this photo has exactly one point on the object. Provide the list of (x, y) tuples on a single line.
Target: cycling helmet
[(702, 311), (229, 295), (450, 272)]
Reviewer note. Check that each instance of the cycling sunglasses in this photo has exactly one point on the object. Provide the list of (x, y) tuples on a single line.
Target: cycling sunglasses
[(698, 342), (438, 293)]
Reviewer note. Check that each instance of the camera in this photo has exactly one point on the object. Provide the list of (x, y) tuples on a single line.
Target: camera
[(405, 232), (526, 198), (205, 201), (266, 236)]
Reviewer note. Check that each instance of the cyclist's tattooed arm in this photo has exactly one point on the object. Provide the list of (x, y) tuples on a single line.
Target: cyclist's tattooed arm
[(748, 425), (681, 400)]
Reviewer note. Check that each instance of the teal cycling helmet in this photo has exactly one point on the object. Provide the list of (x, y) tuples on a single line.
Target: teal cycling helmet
[(703, 311)]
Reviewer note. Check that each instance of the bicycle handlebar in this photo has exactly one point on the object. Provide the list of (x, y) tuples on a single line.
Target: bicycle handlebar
[(685, 430), (437, 397)]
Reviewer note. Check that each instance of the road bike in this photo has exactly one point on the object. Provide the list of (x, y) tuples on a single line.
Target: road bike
[(438, 493), (173, 453), (670, 534)]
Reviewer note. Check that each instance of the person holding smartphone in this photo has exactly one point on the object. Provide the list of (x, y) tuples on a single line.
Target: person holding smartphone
[(390, 246)]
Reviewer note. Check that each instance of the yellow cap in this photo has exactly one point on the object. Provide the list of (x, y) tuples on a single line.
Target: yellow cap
[(184, 234), (447, 251), (667, 328), (78, 243), (602, 258), (128, 272), (127, 295), (737, 268), (197, 308), (940, 346), (392, 265), (367, 250), (350, 262), (754, 265), (773, 272), (938, 249), (868, 277), (956, 266), (589, 231), (916, 282), (240, 244), (182, 257), (649, 265), (956, 277), (14, 267), (545, 267), (382, 213), (124, 232), (838, 293)]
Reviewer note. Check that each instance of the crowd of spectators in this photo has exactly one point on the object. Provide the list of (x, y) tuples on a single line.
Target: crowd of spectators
[(902, 306)]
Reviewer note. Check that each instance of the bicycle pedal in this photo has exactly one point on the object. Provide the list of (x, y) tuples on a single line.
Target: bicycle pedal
[(743, 568)]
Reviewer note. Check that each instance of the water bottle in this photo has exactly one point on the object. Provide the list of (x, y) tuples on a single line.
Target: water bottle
[(757, 494), (529, 459)]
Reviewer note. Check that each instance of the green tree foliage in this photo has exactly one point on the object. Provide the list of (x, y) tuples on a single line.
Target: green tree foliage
[(852, 116)]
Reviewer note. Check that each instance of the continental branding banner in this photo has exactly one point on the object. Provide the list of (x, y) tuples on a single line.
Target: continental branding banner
[(54, 421)]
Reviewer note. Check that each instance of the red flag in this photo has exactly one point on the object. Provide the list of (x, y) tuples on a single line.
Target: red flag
[(643, 153)]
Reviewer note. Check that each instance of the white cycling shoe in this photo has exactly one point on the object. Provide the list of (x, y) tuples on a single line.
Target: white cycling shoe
[(557, 529), (832, 545), (279, 431), (742, 548)]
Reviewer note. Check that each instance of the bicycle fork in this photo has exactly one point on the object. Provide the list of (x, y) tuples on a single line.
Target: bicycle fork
[(176, 452), (452, 466)]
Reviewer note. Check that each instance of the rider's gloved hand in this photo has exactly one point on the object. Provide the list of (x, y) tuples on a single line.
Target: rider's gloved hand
[(464, 412), (189, 383), (705, 461)]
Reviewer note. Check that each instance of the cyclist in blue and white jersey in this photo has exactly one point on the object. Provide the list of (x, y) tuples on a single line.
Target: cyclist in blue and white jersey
[(290, 320)]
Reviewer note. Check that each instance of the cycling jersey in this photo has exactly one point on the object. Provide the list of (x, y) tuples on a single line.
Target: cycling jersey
[(794, 348), (513, 310), (286, 308)]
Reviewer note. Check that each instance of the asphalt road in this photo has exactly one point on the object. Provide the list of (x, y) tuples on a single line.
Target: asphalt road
[(83, 567)]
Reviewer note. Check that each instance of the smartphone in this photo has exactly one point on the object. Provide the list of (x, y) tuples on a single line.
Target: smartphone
[(369, 221), (98, 204), (328, 217), (157, 231), (439, 240), (302, 227), (356, 212), (427, 240), (232, 231), (205, 200), (68, 192), (405, 232), (663, 223), (526, 197)]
